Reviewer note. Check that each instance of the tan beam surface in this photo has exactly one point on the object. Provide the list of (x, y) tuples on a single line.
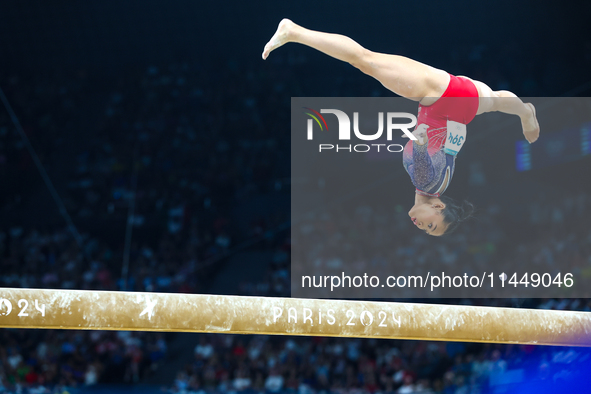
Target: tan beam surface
[(103, 310)]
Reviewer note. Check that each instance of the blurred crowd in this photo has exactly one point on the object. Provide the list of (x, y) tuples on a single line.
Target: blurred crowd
[(234, 364), (57, 361), (162, 151), (140, 143)]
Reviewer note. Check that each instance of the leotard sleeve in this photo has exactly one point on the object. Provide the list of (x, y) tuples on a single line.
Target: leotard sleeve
[(422, 169)]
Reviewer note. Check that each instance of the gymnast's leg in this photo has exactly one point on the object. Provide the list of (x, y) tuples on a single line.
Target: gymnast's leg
[(508, 103), (401, 75)]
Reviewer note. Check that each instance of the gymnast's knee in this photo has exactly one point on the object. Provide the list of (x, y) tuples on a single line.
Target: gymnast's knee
[(362, 60)]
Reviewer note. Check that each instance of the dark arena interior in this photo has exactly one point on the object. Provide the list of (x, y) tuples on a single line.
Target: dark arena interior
[(145, 147)]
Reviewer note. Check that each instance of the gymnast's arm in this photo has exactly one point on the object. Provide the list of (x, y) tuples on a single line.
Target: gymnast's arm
[(423, 171)]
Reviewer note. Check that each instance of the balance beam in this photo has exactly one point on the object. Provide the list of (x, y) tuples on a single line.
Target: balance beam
[(130, 311)]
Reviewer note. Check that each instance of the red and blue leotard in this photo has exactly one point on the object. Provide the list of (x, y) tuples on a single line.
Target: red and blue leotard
[(429, 167)]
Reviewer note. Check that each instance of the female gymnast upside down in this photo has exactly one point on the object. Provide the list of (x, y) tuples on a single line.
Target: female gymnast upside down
[(429, 166)]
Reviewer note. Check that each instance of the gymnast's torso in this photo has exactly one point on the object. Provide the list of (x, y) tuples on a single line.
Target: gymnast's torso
[(429, 167)]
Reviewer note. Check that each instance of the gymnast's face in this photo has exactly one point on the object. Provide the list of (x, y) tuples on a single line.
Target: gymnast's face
[(427, 216)]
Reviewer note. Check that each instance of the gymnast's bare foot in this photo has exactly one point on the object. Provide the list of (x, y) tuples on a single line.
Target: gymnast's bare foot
[(531, 128), (282, 35)]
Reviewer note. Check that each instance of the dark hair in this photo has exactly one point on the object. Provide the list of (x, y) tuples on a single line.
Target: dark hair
[(455, 213)]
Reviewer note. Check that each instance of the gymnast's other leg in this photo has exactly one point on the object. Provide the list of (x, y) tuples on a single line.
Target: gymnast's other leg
[(508, 103), (403, 76)]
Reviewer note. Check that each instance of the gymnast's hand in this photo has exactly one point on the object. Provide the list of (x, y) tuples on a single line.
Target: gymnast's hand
[(529, 123), (421, 134)]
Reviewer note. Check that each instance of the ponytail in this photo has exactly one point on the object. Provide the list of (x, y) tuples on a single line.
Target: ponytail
[(455, 213)]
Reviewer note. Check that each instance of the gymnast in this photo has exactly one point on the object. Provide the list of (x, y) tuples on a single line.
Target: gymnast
[(429, 165)]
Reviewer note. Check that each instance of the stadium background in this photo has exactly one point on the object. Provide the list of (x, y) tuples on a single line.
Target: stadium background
[(167, 107)]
